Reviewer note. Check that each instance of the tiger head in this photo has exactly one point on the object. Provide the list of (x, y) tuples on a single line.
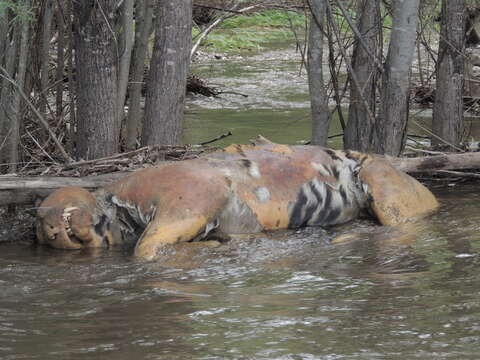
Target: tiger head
[(69, 219)]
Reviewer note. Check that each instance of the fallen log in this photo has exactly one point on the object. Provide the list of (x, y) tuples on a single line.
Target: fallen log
[(451, 161), (19, 190)]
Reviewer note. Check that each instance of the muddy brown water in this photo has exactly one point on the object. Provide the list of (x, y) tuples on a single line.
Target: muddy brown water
[(381, 294), (282, 295)]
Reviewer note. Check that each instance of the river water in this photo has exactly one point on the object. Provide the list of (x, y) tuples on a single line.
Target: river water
[(381, 293)]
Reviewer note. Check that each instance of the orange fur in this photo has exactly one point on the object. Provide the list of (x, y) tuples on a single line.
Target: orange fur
[(244, 188)]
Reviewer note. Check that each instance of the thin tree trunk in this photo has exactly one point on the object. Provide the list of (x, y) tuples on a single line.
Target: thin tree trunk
[(143, 29), (318, 93), (448, 107), (3, 36), (125, 56), (165, 99), (96, 78), (72, 93), (59, 76), (44, 53), (390, 129), (3, 84), (6, 92), (360, 126), (16, 116)]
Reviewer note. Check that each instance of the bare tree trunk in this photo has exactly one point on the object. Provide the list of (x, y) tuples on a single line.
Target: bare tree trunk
[(59, 76), (125, 56), (165, 99), (96, 78), (16, 115), (6, 90), (390, 129), (72, 93), (44, 53), (318, 93), (448, 107), (359, 130), (143, 29), (3, 36)]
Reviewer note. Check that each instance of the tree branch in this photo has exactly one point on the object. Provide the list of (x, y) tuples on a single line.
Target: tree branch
[(43, 122)]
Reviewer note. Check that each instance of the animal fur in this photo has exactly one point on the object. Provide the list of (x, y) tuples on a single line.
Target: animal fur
[(242, 189)]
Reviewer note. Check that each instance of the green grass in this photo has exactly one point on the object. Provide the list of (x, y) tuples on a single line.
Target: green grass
[(271, 18), (20, 10), (252, 32)]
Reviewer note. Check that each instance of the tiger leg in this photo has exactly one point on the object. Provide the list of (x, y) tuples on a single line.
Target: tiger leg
[(164, 231)]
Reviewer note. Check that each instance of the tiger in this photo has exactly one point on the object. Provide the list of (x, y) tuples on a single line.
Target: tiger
[(241, 189)]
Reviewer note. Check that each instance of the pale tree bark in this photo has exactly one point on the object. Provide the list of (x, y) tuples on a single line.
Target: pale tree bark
[(391, 125), (359, 130), (96, 78), (72, 92), (3, 36), (143, 27), (125, 55), (447, 121), (166, 86), (44, 55), (316, 82), (59, 76)]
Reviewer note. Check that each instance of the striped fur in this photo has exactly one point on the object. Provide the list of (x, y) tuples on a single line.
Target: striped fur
[(242, 189)]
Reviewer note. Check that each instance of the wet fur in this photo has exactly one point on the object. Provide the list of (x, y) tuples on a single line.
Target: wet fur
[(242, 189)]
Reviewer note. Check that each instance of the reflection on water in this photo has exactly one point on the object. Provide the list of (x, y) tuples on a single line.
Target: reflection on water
[(282, 126), (379, 294)]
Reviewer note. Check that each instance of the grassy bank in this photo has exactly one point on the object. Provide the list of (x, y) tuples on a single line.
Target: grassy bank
[(253, 32)]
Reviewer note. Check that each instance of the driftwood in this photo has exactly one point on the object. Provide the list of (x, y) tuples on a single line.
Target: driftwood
[(18, 190), (457, 161)]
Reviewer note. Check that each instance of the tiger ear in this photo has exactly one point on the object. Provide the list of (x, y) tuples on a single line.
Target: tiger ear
[(394, 196)]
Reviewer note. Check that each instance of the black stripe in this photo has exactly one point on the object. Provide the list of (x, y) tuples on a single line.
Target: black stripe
[(246, 163), (101, 226), (240, 150), (317, 194), (332, 154), (312, 207), (323, 214), (343, 194), (335, 172), (296, 218), (329, 170), (332, 216), (349, 155), (328, 198)]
